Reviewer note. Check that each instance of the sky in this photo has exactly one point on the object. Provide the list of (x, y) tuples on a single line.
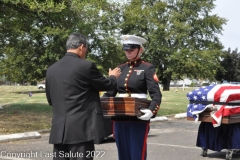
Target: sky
[(229, 9)]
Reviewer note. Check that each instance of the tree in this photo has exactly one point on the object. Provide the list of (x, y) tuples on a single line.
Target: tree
[(29, 35), (231, 66), (107, 49), (182, 36), (40, 30)]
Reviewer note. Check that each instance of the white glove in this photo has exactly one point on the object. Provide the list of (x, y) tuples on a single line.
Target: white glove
[(148, 114)]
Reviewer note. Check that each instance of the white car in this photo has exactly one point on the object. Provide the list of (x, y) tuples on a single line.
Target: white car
[(41, 86)]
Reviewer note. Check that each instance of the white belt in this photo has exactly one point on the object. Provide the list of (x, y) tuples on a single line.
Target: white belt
[(136, 95)]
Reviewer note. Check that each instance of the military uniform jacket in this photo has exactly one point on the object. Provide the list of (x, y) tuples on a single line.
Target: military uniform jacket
[(138, 77), (72, 89)]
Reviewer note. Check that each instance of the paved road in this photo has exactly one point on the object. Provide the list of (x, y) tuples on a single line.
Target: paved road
[(174, 139)]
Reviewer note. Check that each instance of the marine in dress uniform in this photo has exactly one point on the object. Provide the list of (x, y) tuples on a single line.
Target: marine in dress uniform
[(137, 79)]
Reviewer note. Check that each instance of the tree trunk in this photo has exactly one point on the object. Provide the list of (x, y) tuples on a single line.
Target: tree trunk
[(166, 84)]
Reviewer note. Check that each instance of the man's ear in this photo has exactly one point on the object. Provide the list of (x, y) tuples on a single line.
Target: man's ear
[(80, 51), (80, 47)]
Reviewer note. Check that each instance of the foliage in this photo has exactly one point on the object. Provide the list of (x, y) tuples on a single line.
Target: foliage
[(107, 51), (182, 36), (30, 45), (38, 37), (46, 6), (231, 66)]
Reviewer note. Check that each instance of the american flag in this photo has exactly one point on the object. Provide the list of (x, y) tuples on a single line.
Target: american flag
[(209, 96)]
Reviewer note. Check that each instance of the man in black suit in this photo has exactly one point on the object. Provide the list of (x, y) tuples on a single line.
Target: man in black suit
[(72, 89)]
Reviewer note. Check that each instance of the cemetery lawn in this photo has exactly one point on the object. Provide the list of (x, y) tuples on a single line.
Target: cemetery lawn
[(23, 113)]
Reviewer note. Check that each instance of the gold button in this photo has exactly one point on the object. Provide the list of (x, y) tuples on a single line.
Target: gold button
[(127, 75), (131, 66), (125, 84), (130, 71), (126, 89), (126, 79)]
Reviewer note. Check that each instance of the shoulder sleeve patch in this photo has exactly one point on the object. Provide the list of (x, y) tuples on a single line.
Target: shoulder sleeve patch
[(155, 77)]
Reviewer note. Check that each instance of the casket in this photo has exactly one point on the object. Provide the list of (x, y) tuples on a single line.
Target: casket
[(225, 98), (205, 116), (123, 106)]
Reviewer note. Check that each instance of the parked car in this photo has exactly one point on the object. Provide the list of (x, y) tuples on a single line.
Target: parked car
[(234, 82), (41, 86), (226, 82)]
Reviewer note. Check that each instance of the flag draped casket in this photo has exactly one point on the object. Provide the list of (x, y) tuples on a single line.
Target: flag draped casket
[(218, 109), (205, 116), (123, 106), (215, 103)]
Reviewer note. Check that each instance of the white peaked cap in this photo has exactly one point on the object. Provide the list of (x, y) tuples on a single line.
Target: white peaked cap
[(131, 39)]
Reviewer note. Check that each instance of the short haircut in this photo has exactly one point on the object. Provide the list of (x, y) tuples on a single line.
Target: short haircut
[(143, 48), (75, 40)]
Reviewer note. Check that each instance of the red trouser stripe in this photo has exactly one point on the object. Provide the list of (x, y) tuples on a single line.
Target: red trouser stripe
[(145, 142)]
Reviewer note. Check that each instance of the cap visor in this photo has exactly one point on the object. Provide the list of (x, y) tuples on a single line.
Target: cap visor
[(130, 46), (126, 47)]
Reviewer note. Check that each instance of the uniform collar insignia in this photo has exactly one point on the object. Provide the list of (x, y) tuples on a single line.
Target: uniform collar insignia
[(139, 71)]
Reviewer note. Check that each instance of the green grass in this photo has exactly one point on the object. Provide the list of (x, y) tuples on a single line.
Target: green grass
[(22, 113), (174, 101)]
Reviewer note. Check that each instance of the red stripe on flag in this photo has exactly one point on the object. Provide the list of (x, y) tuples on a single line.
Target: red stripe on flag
[(233, 97), (230, 111), (224, 111), (219, 92), (217, 116)]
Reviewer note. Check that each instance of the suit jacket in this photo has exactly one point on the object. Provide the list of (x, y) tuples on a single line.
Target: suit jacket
[(72, 89)]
